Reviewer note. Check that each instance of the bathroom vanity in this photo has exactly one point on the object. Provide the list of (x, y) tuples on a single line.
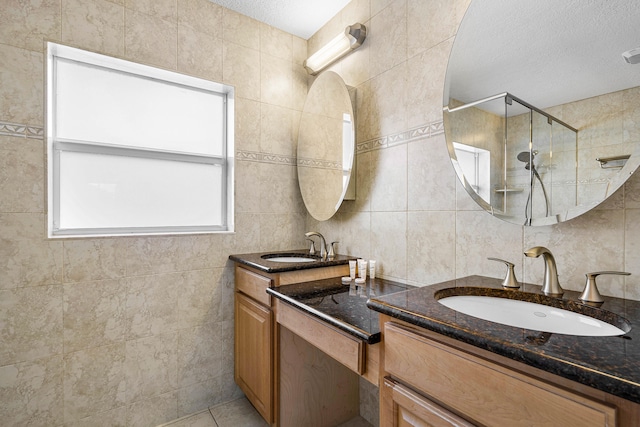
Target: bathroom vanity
[(443, 367), (256, 336), (299, 331)]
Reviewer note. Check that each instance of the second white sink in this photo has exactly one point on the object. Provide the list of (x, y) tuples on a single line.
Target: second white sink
[(290, 259), (529, 315)]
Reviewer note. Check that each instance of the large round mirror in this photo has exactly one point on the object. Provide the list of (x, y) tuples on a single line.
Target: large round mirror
[(326, 145), (542, 105)]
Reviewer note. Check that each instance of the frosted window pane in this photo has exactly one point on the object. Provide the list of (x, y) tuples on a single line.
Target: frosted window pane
[(102, 105), (105, 191)]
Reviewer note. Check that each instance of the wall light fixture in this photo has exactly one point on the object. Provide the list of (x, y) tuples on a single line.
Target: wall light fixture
[(632, 56), (349, 40)]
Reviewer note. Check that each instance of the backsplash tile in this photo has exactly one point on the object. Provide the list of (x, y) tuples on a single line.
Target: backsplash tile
[(594, 241), (477, 239), (389, 243), (428, 230)]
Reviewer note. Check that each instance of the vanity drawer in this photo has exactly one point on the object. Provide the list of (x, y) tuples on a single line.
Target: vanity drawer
[(342, 347), (253, 285), (409, 408), (484, 392)]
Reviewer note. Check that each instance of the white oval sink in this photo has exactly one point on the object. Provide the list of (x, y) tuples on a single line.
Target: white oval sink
[(529, 315), (290, 259)]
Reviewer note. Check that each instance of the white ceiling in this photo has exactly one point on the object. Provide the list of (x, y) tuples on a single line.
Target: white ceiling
[(547, 52), (298, 17)]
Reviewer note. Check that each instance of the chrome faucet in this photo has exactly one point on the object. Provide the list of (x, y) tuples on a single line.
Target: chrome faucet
[(323, 243), (550, 286)]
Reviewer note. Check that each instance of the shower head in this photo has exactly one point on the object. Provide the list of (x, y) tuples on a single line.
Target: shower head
[(527, 157)]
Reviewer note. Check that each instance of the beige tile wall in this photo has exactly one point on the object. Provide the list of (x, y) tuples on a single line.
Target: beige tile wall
[(135, 331), (138, 331), (410, 213)]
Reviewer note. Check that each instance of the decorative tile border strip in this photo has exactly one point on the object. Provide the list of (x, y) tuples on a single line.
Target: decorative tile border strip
[(21, 131), (253, 156), (320, 164), (425, 131)]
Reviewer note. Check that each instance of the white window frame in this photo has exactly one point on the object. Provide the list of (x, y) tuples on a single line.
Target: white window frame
[(57, 145)]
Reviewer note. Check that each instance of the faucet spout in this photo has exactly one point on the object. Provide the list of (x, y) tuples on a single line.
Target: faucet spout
[(323, 243), (551, 285)]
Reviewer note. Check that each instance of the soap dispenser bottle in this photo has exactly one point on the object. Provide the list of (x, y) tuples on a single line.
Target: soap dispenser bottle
[(510, 281)]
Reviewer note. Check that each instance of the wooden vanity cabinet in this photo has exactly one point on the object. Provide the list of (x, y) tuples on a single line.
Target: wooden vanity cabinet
[(432, 380), (256, 336), (253, 337)]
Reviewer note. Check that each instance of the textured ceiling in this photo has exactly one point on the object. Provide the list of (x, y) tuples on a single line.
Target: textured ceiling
[(299, 17), (547, 52)]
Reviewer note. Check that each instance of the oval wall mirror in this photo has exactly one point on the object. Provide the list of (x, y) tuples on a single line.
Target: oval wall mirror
[(541, 107), (326, 146)]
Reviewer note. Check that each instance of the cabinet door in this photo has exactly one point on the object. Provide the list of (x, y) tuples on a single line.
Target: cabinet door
[(253, 353), (483, 391), (402, 407)]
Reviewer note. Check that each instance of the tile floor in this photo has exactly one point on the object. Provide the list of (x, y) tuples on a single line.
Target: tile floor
[(237, 413)]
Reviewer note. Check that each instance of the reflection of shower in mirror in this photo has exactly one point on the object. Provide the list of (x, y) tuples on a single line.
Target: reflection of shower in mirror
[(531, 157), (527, 157)]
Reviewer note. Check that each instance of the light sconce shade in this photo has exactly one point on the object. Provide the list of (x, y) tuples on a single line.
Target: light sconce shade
[(341, 45)]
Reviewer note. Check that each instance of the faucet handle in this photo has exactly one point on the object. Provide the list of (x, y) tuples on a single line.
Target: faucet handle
[(590, 295), (312, 249), (510, 280), (332, 252)]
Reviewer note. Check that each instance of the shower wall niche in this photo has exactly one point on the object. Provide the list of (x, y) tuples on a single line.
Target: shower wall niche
[(531, 157)]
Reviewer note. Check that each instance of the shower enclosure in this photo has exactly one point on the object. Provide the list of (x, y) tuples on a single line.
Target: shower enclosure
[(512, 157)]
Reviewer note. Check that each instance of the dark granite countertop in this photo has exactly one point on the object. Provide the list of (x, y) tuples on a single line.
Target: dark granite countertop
[(610, 364), (343, 306), (257, 261)]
